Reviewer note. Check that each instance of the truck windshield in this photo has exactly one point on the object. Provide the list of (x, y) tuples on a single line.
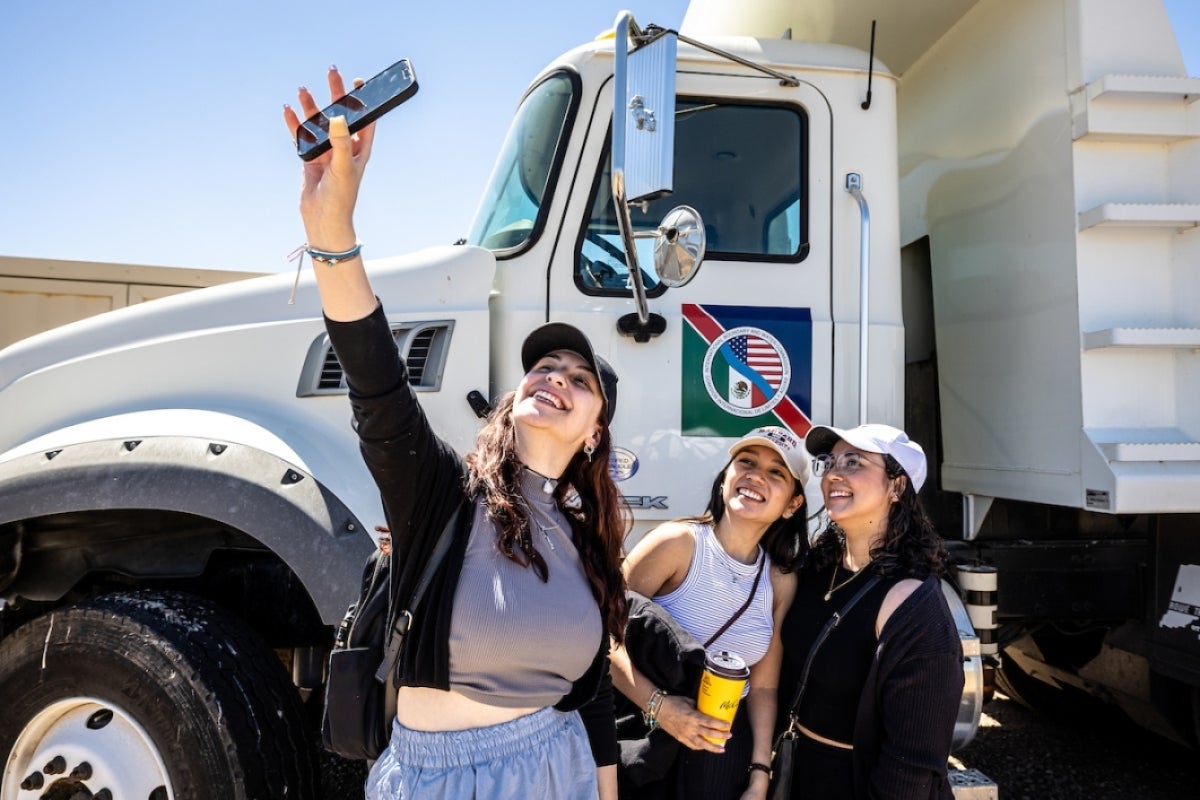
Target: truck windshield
[(742, 166), (514, 206)]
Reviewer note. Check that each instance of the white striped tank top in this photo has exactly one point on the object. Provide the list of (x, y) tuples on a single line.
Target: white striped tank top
[(717, 585)]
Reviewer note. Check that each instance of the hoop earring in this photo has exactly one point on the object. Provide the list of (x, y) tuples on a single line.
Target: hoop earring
[(588, 450)]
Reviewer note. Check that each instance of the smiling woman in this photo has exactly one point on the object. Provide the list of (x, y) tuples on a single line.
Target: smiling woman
[(703, 578), (497, 697), (872, 701)]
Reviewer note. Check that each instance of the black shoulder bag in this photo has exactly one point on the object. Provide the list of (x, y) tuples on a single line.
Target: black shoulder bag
[(360, 695), (783, 755)]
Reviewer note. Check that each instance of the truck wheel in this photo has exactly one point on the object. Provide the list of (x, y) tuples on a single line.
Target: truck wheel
[(154, 695)]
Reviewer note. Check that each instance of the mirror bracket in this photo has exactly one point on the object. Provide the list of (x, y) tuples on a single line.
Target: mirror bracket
[(641, 330)]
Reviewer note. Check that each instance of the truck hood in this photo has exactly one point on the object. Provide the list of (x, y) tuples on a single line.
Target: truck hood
[(424, 280)]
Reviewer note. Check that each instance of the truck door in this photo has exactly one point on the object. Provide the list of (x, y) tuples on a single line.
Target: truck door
[(748, 342)]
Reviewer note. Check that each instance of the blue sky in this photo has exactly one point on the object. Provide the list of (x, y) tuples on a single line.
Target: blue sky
[(149, 131)]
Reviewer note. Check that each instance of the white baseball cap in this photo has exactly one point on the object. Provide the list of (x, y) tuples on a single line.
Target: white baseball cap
[(789, 446), (873, 438)]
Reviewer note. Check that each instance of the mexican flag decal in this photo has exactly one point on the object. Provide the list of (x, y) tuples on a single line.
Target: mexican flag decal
[(744, 367)]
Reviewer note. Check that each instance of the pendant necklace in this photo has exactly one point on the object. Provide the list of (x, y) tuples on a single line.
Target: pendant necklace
[(549, 483), (833, 578)]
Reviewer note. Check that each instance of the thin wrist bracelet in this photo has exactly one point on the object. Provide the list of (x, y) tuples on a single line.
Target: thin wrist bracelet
[(761, 768), (322, 257), (650, 715)]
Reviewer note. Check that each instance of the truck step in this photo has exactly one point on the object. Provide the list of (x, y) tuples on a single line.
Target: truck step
[(1150, 451), (1170, 338), (1178, 216), (971, 784), (1145, 108)]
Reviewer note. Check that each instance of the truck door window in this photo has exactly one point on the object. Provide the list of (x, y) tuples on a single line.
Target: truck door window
[(514, 204), (743, 167)]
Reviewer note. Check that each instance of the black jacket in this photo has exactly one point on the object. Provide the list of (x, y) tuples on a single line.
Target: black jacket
[(670, 657), (909, 704), (422, 481)]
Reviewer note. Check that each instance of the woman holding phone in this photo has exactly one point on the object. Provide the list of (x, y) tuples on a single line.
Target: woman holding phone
[(504, 688)]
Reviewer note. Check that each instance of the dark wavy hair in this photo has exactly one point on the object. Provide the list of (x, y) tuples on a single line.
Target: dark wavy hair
[(910, 547), (586, 494), (786, 540)]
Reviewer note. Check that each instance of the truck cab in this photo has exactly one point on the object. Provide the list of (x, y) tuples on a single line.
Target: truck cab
[(766, 333)]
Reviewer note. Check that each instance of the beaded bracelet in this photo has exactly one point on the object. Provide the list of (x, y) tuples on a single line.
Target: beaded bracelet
[(761, 768), (322, 257), (318, 257), (650, 715)]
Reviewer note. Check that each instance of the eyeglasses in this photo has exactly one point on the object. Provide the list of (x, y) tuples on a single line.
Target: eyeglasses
[(847, 463)]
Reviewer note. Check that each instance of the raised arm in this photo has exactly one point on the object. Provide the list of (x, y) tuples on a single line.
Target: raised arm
[(404, 455), (328, 195)]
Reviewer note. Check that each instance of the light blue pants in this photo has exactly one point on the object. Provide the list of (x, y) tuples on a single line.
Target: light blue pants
[(544, 754)]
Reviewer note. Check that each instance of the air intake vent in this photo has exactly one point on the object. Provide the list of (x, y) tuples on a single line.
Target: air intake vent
[(331, 373), (424, 347), (420, 347)]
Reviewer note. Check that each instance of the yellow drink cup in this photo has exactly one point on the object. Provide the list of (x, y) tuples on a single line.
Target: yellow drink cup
[(725, 675)]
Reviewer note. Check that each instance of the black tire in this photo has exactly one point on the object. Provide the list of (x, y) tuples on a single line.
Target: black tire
[(208, 706)]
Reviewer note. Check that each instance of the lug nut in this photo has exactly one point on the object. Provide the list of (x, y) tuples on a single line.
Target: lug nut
[(99, 719), (34, 781), (83, 772), (57, 766)]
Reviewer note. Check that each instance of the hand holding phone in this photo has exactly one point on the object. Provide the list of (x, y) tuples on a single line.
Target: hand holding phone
[(360, 107)]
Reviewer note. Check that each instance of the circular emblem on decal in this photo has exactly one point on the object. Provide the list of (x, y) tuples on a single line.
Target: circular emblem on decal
[(746, 371), (622, 464)]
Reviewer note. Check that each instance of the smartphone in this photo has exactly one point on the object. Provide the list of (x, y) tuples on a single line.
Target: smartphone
[(360, 107)]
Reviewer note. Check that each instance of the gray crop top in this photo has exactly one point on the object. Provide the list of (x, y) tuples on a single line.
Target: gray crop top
[(514, 640)]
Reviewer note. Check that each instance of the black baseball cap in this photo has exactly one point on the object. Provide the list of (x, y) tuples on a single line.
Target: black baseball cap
[(561, 336)]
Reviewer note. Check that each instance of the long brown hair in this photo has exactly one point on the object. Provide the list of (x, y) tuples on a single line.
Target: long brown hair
[(586, 494)]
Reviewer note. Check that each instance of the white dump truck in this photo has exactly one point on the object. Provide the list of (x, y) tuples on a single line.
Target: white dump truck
[(985, 233)]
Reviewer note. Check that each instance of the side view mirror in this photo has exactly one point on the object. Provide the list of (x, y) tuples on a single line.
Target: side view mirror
[(679, 246), (643, 164)]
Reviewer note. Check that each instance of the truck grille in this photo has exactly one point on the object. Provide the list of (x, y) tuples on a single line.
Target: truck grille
[(423, 346)]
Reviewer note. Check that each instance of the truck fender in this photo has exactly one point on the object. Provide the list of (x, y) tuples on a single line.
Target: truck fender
[(246, 488)]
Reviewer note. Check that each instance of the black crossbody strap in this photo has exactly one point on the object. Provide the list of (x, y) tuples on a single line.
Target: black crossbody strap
[(753, 590), (830, 624), (402, 622)]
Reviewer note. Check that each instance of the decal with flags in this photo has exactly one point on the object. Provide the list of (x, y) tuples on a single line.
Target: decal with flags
[(745, 367)]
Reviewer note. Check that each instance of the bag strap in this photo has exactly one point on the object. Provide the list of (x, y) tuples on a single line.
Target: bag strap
[(753, 589), (830, 624), (402, 622)]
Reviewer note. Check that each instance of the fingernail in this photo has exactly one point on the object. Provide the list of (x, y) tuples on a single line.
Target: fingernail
[(333, 67), (286, 106), (302, 89)]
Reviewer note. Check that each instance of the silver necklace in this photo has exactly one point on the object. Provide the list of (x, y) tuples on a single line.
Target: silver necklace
[(535, 516), (729, 561)]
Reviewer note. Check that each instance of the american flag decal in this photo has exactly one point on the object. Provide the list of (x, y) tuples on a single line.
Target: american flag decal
[(760, 356)]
